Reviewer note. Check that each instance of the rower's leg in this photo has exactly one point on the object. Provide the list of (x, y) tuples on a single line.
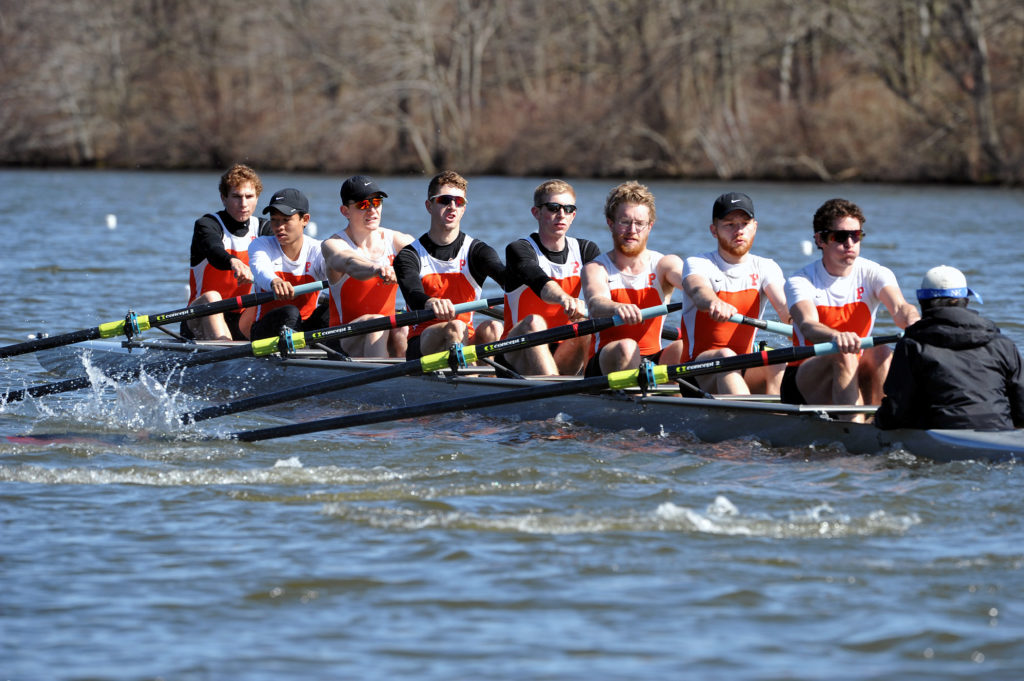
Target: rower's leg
[(535, 361)]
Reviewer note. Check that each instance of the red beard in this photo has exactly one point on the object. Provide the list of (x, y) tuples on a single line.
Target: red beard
[(631, 249), (735, 250)]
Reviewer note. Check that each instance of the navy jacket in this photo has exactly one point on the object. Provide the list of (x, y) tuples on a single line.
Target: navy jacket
[(953, 369)]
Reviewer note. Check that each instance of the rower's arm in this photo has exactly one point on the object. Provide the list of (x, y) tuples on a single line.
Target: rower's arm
[(903, 313), (777, 297), (598, 296), (805, 317), (704, 297), (341, 259), (572, 306)]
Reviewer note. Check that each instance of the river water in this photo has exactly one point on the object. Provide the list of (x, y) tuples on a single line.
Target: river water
[(468, 547)]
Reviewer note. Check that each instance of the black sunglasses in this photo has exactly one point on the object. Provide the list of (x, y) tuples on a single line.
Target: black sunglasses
[(555, 207), (840, 236)]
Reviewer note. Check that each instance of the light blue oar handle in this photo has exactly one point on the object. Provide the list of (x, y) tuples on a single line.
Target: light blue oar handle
[(767, 325), (830, 347), (646, 313), (311, 287), (471, 306)]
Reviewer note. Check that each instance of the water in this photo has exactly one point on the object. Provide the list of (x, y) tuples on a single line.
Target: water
[(466, 547)]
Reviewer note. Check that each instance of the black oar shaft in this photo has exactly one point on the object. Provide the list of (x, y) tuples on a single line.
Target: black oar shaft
[(299, 392), (111, 329), (458, 404), (257, 348), (47, 342)]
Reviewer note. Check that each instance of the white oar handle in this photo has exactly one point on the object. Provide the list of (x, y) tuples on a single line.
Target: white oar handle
[(767, 325)]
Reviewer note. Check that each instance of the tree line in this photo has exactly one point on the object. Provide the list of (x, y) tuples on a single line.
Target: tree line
[(887, 90)]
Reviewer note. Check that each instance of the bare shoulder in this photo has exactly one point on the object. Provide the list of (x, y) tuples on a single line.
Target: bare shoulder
[(402, 239), (670, 262), (334, 244)]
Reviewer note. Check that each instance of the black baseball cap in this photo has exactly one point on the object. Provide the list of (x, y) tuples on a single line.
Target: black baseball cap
[(288, 202), (359, 187), (727, 203)]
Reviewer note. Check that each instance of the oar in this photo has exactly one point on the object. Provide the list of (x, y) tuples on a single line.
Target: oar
[(667, 333), (614, 381), (426, 364), (134, 324), (258, 348), (766, 324)]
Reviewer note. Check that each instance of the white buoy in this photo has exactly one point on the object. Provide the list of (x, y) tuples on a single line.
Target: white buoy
[(311, 228), (807, 247), (111, 221)]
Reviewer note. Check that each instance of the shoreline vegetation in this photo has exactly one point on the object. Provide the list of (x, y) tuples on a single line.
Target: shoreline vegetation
[(837, 90)]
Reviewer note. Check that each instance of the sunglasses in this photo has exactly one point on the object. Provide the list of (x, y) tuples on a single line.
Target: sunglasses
[(840, 236), (449, 199), (365, 204), (555, 207)]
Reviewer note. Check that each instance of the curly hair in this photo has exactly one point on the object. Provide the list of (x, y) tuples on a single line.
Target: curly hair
[(238, 175), (834, 210), (448, 178), (628, 192)]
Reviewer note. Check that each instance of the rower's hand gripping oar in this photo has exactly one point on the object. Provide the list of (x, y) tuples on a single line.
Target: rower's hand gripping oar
[(258, 348), (133, 324), (617, 380), (462, 355)]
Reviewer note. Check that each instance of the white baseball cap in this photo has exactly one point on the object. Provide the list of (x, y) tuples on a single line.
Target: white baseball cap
[(945, 282)]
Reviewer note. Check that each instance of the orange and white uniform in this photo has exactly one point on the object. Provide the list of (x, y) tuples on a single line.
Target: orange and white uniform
[(449, 279), (742, 285), (352, 298), (204, 277), (268, 261), (642, 290), (846, 303), (523, 302)]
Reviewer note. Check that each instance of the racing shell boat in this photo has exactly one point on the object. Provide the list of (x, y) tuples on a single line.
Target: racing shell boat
[(660, 410)]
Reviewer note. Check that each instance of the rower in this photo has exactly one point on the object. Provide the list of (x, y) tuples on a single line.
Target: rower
[(627, 278), (282, 261), (835, 299), (543, 284), (953, 368), (728, 281), (444, 267), (360, 268), (220, 254)]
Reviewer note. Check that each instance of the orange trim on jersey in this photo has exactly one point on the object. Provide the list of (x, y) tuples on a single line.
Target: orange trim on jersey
[(647, 333), (530, 303), (712, 335), (454, 286), (222, 281), (363, 297), (305, 302)]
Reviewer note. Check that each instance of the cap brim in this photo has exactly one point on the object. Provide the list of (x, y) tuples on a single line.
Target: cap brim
[(281, 208)]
